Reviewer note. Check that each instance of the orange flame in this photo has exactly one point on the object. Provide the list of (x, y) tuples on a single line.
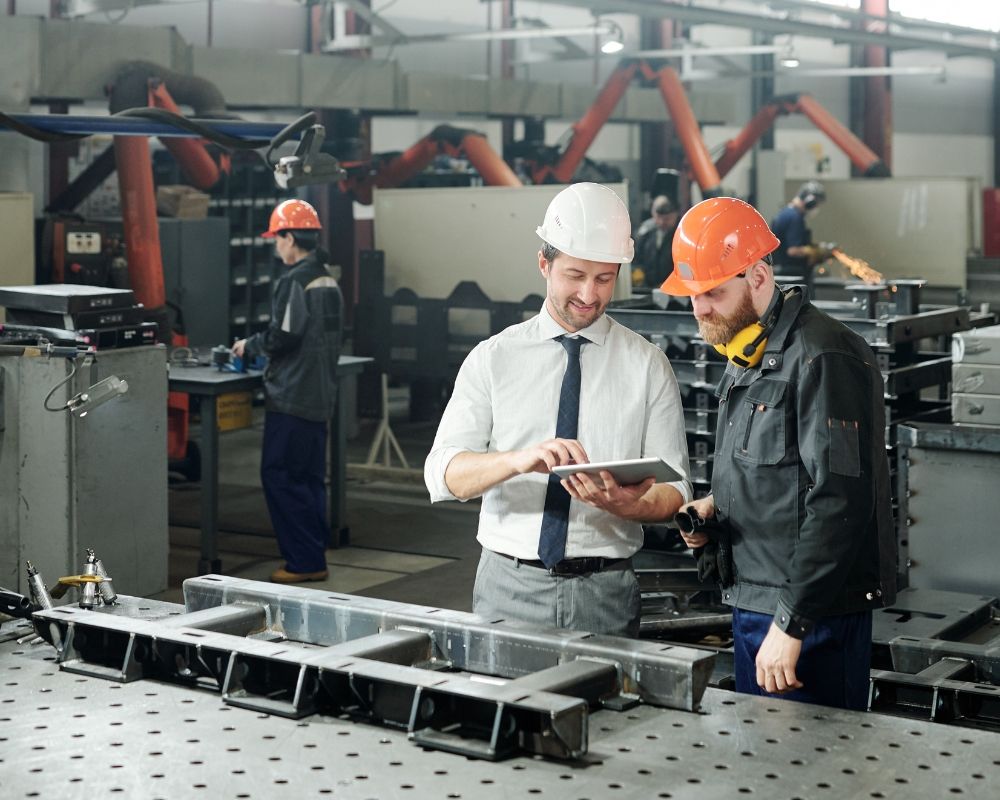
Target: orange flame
[(859, 268)]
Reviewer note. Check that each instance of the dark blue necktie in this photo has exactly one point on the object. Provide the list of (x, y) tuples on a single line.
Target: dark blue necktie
[(555, 516)]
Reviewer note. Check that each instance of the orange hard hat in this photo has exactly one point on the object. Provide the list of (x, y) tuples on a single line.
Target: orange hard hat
[(292, 215), (716, 240)]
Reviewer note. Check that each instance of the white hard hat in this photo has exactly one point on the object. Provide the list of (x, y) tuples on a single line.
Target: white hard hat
[(589, 221)]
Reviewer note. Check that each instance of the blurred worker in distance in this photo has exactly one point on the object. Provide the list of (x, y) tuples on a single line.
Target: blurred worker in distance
[(800, 480), (570, 385), (796, 254), (653, 261), (302, 343)]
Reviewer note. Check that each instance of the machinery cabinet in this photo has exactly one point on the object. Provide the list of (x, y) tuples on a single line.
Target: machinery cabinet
[(100, 481)]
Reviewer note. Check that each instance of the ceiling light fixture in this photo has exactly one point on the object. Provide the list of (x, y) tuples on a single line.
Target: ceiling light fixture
[(615, 42)]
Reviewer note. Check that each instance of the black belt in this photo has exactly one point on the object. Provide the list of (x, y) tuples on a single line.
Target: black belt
[(570, 566)]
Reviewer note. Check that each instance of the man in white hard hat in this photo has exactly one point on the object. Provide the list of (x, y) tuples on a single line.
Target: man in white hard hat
[(570, 385)]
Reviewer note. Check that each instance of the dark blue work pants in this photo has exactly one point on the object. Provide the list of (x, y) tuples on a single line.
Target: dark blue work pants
[(833, 666), (293, 473)]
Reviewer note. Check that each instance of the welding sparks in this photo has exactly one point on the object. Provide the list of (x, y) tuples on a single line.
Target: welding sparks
[(858, 267)]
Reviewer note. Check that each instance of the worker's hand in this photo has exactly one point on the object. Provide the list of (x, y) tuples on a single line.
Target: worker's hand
[(606, 493), (238, 347), (776, 660), (703, 508), (816, 254), (551, 453)]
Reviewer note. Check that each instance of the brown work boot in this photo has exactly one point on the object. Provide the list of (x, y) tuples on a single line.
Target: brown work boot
[(282, 575)]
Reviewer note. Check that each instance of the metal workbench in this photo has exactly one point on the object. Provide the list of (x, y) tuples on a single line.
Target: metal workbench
[(208, 383), (66, 734)]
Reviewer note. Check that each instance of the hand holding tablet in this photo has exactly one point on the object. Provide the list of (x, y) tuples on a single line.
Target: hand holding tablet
[(627, 472)]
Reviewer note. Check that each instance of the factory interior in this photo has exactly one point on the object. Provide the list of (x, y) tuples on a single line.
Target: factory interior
[(169, 172)]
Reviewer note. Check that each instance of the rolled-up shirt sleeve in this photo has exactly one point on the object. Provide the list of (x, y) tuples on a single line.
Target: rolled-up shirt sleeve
[(466, 425)]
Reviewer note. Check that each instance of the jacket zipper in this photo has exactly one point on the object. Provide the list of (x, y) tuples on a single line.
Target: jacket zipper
[(746, 436)]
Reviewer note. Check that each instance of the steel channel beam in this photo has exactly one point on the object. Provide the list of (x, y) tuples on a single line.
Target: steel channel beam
[(671, 580), (882, 332), (951, 437), (935, 694), (913, 378), (662, 675), (912, 655), (447, 712)]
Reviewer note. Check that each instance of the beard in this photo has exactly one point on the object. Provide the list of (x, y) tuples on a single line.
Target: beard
[(574, 319), (719, 329)]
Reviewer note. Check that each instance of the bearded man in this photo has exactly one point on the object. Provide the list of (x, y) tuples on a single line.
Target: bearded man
[(800, 480)]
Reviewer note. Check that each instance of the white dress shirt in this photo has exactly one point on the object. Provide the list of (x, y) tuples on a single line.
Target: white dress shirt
[(506, 397)]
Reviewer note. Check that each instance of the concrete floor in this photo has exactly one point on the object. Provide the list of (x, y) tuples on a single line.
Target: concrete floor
[(401, 547)]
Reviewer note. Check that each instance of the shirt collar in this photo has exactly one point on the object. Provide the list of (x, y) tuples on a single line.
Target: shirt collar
[(596, 332)]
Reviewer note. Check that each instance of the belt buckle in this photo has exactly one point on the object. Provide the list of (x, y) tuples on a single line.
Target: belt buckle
[(579, 566)]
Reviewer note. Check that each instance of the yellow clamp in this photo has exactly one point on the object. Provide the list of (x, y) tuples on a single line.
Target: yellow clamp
[(62, 586)]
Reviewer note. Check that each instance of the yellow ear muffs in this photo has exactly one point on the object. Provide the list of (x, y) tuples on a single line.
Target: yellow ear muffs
[(746, 348)]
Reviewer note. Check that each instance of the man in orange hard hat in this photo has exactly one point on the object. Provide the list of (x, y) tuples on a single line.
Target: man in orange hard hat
[(569, 385), (800, 482), (302, 344)]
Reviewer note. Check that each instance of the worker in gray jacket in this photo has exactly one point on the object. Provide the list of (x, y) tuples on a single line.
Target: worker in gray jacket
[(302, 343), (800, 484)]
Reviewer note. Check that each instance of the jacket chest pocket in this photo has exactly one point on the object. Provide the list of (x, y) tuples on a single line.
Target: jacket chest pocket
[(761, 429)]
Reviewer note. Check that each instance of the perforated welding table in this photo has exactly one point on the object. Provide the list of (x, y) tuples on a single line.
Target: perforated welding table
[(65, 734)]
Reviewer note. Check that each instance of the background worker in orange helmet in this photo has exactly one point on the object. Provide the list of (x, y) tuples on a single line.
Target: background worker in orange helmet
[(302, 344), (800, 483)]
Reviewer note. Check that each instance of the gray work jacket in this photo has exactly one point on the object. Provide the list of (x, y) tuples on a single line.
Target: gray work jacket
[(302, 342), (801, 475)]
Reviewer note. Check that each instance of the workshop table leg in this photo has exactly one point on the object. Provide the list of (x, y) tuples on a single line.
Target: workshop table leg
[(340, 533), (209, 561)]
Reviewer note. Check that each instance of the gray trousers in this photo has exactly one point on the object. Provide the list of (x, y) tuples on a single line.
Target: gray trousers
[(601, 602)]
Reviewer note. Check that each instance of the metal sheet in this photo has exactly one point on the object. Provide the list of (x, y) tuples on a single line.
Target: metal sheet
[(923, 226), (415, 226), (952, 520), (85, 737)]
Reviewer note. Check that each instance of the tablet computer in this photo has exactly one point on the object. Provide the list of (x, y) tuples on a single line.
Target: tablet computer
[(627, 472)]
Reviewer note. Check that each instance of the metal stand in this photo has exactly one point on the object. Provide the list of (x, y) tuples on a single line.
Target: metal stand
[(384, 437)]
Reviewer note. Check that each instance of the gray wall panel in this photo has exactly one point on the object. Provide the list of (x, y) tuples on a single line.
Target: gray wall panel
[(524, 98), (339, 82), (19, 61), (80, 58), (237, 73), (434, 93)]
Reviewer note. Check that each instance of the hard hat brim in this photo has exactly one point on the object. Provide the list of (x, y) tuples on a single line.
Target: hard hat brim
[(678, 287), (268, 234)]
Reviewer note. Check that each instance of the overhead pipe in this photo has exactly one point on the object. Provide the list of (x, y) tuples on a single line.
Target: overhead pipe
[(197, 165), (738, 146), (688, 132), (862, 156), (586, 130), (397, 169)]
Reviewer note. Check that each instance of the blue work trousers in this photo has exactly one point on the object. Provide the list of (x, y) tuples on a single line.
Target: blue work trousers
[(293, 473), (833, 666)]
